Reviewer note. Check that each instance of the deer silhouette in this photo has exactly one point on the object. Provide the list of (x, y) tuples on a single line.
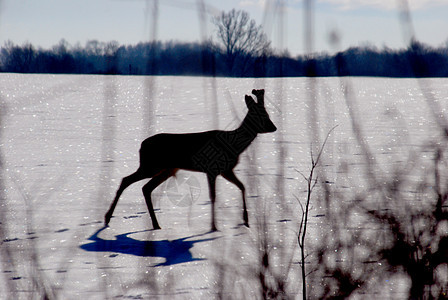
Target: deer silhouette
[(213, 152)]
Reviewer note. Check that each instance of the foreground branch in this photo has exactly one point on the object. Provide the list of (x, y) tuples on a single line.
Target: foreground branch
[(311, 184)]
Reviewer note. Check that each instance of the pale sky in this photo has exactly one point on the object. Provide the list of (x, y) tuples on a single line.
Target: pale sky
[(357, 22)]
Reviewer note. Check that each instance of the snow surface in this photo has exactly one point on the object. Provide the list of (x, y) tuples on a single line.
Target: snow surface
[(67, 141)]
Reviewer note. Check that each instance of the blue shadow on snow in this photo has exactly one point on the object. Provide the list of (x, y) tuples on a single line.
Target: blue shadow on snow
[(174, 252)]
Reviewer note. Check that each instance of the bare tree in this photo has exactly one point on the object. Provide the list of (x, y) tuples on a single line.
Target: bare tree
[(240, 38)]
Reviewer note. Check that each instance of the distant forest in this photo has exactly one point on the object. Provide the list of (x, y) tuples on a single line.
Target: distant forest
[(205, 59)]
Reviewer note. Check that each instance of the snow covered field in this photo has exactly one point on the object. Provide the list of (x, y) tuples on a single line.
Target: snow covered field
[(67, 141)]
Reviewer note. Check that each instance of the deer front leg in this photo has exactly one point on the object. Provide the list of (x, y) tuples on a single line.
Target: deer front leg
[(212, 190), (147, 190), (230, 176)]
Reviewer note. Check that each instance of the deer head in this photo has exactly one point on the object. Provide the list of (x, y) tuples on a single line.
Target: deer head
[(257, 118)]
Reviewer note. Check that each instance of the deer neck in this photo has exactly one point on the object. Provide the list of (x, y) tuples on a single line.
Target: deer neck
[(244, 135)]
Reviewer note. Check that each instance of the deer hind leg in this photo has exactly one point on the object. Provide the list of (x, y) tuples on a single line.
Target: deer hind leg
[(150, 186), (230, 176), (212, 190), (125, 182)]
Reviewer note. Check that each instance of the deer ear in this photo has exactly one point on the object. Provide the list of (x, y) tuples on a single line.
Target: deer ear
[(249, 101), (260, 96)]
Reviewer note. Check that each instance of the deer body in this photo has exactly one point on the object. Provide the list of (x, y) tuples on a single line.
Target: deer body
[(213, 152), (168, 150)]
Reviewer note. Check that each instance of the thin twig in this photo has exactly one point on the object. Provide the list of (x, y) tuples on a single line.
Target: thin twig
[(311, 184)]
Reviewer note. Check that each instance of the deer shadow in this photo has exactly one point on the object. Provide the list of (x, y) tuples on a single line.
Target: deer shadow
[(174, 251)]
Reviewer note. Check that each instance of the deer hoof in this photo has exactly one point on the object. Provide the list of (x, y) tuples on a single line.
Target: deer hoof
[(106, 220)]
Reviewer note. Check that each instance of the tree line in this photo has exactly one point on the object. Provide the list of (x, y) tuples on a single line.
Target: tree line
[(205, 59), (241, 49)]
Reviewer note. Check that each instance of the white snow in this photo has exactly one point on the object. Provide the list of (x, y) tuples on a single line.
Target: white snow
[(67, 141)]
